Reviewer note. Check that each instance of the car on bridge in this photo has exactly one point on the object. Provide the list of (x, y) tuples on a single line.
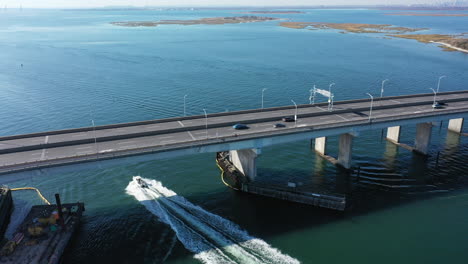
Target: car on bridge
[(438, 105), (240, 126), (288, 119), (279, 125)]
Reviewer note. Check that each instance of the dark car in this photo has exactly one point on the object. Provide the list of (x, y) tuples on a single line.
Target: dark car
[(279, 125), (288, 119), (437, 105), (240, 126)]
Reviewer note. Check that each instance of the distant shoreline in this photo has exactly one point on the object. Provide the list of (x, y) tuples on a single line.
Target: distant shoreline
[(426, 14), (272, 12), (248, 8)]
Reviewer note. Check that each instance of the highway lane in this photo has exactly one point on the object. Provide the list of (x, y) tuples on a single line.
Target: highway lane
[(315, 122), (41, 141)]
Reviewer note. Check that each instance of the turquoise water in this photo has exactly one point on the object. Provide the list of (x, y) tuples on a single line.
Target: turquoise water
[(77, 68)]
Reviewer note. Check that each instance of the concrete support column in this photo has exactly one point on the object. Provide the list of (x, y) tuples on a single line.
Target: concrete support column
[(346, 149), (423, 137), (320, 145), (245, 160), (456, 125), (393, 134)]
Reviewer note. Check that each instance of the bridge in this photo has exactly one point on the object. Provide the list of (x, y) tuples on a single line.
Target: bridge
[(164, 138)]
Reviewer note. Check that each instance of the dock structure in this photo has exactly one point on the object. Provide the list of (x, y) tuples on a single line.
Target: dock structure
[(234, 175)]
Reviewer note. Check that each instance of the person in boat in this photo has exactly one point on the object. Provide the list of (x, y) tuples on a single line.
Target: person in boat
[(142, 183)]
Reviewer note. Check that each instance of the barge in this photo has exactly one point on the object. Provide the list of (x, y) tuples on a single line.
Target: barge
[(235, 179), (6, 208), (44, 234)]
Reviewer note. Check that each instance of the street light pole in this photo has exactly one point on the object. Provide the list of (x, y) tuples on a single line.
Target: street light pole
[(185, 113), (94, 133), (206, 123), (382, 89), (330, 98), (263, 90), (371, 104), (435, 95), (295, 114), (312, 95), (438, 84)]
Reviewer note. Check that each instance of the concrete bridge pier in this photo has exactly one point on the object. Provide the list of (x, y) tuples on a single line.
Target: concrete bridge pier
[(456, 125), (423, 138), (393, 134), (346, 150), (320, 145), (245, 160)]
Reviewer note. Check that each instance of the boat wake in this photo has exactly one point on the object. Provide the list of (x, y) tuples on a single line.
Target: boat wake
[(212, 238)]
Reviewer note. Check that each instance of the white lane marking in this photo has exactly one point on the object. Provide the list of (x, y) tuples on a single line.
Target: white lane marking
[(106, 150), (78, 135), (395, 101), (181, 123), (325, 117), (326, 110), (200, 133), (126, 142), (168, 141), (84, 152), (417, 112), (43, 154), (84, 147), (35, 154), (46, 140), (345, 119), (190, 134), (263, 125), (166, 137)]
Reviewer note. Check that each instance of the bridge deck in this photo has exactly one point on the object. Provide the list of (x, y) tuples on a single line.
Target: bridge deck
[(24, 151)]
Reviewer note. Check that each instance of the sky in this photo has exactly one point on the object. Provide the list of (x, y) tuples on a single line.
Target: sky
[(194, 3)]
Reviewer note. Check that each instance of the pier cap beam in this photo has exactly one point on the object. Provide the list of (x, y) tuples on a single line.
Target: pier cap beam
[(423, 138), (245, 160), (346, 149), (455, 125)]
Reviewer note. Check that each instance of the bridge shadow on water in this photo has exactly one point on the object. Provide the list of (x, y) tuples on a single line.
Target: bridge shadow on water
[(130, 234)]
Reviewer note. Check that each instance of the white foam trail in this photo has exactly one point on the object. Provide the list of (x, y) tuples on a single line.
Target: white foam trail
[(212, 238)]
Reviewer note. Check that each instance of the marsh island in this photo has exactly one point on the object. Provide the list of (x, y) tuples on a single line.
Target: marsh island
[(350, 27), (202, 21), (448, 42)]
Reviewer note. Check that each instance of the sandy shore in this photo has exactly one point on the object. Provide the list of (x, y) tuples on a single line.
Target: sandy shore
[(451, 46)]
